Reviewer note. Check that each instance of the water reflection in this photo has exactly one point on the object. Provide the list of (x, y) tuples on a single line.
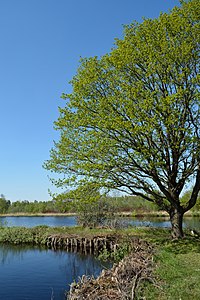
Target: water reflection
[(8, 253), (192, 222), (150, 222), (159, 222), (34, 273), (56, 221)]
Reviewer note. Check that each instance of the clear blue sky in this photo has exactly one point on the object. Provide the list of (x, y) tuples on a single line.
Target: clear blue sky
[(41, 42)]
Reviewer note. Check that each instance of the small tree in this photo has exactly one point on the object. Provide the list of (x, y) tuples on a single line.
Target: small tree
[(92, 208), (132, 121)]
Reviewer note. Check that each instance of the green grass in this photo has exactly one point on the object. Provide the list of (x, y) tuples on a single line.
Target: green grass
[(180, 274), (30, 235), (39, 234), (178, 277), (177, 270)]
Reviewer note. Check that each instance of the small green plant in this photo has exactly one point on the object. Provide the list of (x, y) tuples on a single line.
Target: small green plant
[(123, 248), (104, 255), (121, 252)]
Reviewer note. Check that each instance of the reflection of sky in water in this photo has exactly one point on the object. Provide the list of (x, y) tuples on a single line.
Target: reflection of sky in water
[(190, 222), (161, 222), (54, 221), (33, 273), (151, 224)]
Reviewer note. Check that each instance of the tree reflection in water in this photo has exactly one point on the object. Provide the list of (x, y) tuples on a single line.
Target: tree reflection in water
[(30, 272)]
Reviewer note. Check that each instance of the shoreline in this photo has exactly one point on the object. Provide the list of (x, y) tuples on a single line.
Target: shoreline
[(38, 215), (133, 214)]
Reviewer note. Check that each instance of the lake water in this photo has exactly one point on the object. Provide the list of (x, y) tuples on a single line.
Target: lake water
[(53, 221), (32, 273), (56, 221), (188, 222)]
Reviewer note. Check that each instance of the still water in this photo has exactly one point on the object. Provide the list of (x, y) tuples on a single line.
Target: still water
[(53, 221), (56, 221), (32, 273), (188, 222)]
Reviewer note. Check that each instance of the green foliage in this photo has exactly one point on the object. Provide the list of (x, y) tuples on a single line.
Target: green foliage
[(67, 203), (32, 207), (134, 204), (15, 235), (91, 206), (20, 235), (123, 249), (94, 214), (4, 204), (132, 121)]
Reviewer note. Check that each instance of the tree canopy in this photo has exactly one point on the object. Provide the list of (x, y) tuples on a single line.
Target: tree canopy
[(132, 120)]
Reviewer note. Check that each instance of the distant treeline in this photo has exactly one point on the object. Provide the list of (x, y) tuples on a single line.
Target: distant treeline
[(32, 207), (131, 204)]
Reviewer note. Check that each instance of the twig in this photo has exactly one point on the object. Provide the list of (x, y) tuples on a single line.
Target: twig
[(135, 281)]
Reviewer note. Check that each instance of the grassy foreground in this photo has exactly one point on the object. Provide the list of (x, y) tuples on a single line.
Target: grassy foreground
[(176, 263), (177, 270), (176, 267)]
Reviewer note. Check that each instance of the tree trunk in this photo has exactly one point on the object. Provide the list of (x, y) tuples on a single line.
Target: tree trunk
[(176, 218)]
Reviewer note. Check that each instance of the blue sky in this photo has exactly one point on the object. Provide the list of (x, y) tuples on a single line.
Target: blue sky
[(41, 42)]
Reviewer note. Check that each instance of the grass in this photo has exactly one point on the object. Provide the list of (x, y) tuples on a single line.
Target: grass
[(39, 234), (179, 275), (177, 270)]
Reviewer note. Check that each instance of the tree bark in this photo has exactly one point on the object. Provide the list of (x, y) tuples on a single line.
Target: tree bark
[(176, 218)]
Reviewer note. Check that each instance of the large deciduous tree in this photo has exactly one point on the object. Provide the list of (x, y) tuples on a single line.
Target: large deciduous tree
[(132, 121)]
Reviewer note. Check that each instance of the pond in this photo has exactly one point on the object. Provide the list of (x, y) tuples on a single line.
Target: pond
[(30, 273), (56, 221), (53, 221), (188, 222)]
